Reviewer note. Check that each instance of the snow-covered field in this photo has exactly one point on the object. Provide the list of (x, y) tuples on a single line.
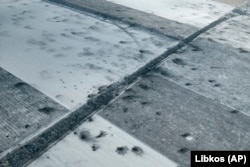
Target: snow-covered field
[(68, 55), (98, 148), (232, 2), (234, 32), (198, 13)]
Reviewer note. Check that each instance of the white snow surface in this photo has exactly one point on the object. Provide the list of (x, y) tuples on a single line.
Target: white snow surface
[(198, 13), (234, 32), (66, 54), (74, 152)]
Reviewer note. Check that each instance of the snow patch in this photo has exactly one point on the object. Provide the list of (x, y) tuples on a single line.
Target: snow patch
[(198, 13)]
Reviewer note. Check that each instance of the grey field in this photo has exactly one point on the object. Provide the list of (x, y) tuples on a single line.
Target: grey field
[(194, 96), (24, 111), (176, 120)]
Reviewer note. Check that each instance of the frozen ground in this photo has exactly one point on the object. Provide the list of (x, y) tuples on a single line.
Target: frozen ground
[(68, 55), (198, 13), (234, 32), (99, 143), (232, 2)]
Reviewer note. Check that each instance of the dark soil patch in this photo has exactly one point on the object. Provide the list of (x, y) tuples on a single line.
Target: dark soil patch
[(179, 61), (46, 110), (85, 135), (101, 134), (137, 150), (122, 150), (95, 147)]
